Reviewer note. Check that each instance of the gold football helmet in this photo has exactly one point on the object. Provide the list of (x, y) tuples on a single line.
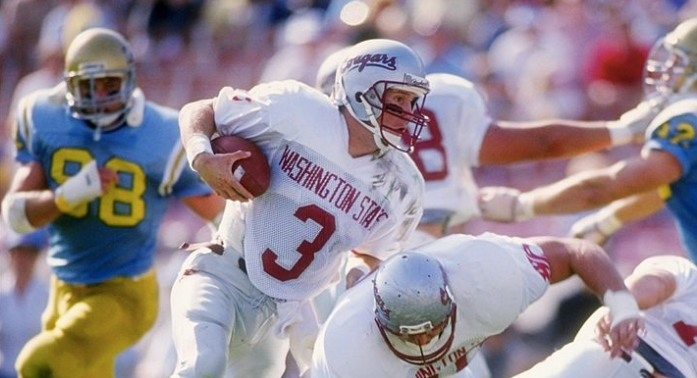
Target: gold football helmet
[(100, 78), (671, 67)]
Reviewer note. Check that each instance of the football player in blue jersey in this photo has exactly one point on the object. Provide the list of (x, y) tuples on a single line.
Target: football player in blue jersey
[(98, 164)]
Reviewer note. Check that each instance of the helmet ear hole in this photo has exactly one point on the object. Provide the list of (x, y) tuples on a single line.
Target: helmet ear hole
[(358, 97)]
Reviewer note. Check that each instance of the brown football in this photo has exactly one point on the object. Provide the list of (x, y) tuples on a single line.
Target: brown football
[(253, 172)]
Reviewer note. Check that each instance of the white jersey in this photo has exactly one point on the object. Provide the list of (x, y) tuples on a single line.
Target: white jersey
[(671, 330), (671, 327), (492, 278), (321, 202), (449, 148)]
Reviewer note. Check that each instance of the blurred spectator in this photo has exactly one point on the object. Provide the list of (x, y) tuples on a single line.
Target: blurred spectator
[(302, 46), (614, 66), (23, 296), (22, 22)]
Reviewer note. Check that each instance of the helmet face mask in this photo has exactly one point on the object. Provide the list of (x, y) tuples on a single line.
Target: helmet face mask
[(671, 67), (100, 78), (414, 309), (362, 83)]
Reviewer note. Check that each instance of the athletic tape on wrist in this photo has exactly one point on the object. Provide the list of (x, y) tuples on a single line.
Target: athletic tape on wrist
[(619, 133), (15, 214), (622, 306), (524, 208), (607, 223), (197, 144)]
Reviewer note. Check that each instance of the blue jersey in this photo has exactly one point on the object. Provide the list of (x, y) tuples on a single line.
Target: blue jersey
[(675, 132), (115, 234)]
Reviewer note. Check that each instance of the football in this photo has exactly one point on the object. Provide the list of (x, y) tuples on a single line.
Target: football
[(253, 172)]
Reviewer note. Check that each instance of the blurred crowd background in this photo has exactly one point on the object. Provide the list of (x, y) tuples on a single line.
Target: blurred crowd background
[(532, 59)]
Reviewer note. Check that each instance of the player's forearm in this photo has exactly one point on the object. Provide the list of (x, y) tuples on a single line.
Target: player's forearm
[(196, 118), (196, 126), (41, 208), (571, 195), (637, 207), (595, 268)]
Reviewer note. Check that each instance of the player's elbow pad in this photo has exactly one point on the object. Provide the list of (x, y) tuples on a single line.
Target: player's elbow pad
[(14, 213)]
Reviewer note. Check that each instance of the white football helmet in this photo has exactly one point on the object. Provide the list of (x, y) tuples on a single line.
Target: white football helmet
[(412, 297), (99, 53), (368, 69), (326, 74), (671, 67)]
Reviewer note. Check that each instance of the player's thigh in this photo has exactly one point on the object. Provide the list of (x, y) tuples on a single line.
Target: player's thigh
[(119, 311), (266, 358), (90, 325)]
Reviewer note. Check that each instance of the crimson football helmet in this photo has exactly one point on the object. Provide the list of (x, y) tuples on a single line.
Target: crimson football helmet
[(100, 59), (370, 68), (671, 67), (411, 298)]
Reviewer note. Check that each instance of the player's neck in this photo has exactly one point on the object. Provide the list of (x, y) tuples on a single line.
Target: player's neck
[(361, 141)]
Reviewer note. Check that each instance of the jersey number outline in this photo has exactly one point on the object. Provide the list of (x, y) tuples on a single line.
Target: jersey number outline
[(435, 144), (682, 133), (131, 198), (307, 249)]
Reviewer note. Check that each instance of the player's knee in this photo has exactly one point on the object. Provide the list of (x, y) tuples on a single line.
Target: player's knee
[(44, 357)]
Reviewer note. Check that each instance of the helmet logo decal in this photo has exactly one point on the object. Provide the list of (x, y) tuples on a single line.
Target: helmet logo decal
[(416, 80), (91, 67), (373, 60), (540, 263)]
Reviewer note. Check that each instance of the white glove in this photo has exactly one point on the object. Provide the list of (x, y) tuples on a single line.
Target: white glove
[(81, 188), (502, 204), (597, 227), (632, 125)]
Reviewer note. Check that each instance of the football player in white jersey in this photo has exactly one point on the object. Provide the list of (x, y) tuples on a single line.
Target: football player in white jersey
[(340, 181), (462, 134), (425, 312), (665, 288)]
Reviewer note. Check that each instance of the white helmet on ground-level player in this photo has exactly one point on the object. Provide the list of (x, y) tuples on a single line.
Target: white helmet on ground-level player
[(671, 67), (95, 54), (412, 297), (370, 68)]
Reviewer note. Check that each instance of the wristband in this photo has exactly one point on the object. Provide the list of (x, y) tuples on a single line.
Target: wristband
[(622, 306), (197, 144), (619, 133), (79, 189), (608, 223), (523, 208), (15, 214), (61, 202)]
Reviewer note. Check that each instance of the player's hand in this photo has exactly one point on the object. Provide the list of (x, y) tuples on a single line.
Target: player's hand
[(503, 204), (623, 336), (89, 183), (631, 126), (597, 227), (216, 171)]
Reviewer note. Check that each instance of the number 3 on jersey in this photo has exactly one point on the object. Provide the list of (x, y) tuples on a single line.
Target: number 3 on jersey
[(307, 249)]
